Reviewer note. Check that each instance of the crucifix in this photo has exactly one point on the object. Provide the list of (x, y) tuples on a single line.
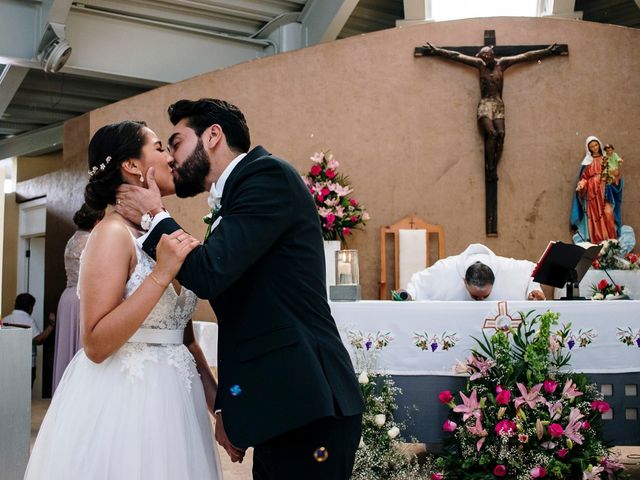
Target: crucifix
[(491, 62)]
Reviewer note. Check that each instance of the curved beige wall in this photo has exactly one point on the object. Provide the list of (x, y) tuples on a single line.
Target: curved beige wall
[(404, 128)]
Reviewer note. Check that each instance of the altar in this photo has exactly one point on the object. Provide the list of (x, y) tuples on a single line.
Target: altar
[(421, 342)]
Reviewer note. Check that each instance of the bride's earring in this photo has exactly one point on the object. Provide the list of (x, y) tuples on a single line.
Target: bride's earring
[(141, 178)]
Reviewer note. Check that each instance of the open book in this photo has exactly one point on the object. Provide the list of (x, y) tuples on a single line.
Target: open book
[(561, 263)]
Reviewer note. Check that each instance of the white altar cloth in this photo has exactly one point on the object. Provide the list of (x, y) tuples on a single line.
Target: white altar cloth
[(606, 353)]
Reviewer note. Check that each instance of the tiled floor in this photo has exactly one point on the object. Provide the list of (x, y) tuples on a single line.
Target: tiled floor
[(630, 456)]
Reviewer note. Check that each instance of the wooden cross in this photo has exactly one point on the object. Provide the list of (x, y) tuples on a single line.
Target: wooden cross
[(492, 125)]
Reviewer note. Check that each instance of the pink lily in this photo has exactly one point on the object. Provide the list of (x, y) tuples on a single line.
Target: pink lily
[(478, 431), (569, 390), (470, 405), (592, 473), (482, 366), (572, 430), (531, 397), (555, 409)]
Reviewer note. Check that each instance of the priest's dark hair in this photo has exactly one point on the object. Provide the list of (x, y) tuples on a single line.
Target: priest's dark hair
[(479, 275), (203, 113), (109, 147)]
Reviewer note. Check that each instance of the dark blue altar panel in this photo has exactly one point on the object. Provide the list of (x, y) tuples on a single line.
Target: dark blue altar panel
[(419, 401)]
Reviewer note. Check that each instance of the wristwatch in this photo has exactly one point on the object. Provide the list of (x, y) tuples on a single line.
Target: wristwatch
[(147, 218)]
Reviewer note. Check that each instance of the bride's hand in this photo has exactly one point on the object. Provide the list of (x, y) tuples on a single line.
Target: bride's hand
[(171, 252)]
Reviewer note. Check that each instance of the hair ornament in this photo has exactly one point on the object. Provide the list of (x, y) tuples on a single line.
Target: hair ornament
[(102, 166)]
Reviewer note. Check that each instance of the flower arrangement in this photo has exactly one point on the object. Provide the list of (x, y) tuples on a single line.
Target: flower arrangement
[(379, 456), (610, 257), (604, 290), (340, 213), (520, 417)]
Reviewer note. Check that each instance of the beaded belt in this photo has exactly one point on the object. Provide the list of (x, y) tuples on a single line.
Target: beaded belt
[(157, 336)]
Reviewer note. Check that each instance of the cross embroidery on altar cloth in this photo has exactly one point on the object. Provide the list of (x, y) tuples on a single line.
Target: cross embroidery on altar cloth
[(502, 321)]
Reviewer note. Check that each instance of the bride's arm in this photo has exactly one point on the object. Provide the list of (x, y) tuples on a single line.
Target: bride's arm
[(108, 321), (208, 382)]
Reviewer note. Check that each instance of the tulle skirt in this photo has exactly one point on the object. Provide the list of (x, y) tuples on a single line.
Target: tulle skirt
[(67, 333), (141, 414)]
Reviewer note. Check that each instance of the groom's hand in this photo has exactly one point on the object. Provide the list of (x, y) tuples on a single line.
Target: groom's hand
[(236, 454), (132, 201)]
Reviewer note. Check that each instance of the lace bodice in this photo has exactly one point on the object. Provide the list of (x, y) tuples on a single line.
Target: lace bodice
[(172, 311), (72, 253)]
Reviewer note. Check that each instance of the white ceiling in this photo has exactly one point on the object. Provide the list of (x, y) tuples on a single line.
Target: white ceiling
[(125, 47)]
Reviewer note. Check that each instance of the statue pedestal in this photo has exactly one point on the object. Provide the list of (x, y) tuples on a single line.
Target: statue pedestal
[(15, 407)]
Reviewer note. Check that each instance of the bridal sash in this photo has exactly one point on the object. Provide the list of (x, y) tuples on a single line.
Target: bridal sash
[(157, 336)]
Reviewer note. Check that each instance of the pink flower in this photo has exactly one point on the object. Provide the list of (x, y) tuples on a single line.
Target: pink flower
[(478, 431), (585, 425), (445, 396), (530, 397), (569, 390), (320, 198), (481, 365), (555, 430), (562, 452), (523, 438), (500, 471), (317, 157), (600, 406), (330, 173), (330, 219), (470, 405), (325, 191), (346, 231), (449, 426), (353, 202), (503, 397), (550, 386), (332, 163), (437, 476), (505, 427), (572, 430), (538, 472), (315, 170), (354, 219)]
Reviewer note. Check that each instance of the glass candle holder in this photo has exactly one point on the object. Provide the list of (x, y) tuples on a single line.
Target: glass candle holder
[(347, 268)]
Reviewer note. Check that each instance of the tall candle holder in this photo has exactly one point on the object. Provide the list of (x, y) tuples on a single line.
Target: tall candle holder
[(347, 286)]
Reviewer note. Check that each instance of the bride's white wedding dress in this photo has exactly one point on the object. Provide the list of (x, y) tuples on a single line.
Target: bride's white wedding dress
[(141, 414)]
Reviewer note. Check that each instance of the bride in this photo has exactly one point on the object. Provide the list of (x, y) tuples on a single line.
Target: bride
[(133, 403)]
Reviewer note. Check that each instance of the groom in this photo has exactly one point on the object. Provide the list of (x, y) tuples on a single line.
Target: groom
[(287, 386)]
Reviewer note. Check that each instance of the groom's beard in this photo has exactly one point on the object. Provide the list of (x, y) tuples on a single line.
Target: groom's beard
[(190, 176)]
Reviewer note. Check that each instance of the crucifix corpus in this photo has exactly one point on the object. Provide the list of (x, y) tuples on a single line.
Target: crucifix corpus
[(491, 62)]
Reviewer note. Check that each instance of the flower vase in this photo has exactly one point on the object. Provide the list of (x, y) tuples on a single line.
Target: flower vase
[(330, 249)]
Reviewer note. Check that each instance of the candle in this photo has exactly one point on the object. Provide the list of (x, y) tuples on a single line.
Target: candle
[(344, 273)]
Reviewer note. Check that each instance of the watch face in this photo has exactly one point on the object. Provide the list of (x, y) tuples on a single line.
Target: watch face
[(145, 221)]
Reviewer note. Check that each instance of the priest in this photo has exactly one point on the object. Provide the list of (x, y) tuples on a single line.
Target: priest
[(476, 274)]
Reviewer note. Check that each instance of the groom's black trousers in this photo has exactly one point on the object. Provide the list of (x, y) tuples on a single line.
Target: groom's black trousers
[(296, 455)]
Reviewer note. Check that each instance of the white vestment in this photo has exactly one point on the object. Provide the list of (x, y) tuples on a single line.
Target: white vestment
[(445, 279)]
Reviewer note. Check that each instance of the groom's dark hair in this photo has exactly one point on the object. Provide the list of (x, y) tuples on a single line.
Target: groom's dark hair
[(203, 113)]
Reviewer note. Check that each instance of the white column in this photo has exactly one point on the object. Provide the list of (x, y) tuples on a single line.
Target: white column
[(559, 9), (416, 11)]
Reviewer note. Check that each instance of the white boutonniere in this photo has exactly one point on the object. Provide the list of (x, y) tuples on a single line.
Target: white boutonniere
[(211, 217)]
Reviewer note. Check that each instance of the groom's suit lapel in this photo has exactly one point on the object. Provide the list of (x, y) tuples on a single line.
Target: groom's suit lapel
[(229, 185)]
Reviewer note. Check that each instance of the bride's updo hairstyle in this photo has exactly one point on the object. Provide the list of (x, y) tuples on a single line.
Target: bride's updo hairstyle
[(110, 146)]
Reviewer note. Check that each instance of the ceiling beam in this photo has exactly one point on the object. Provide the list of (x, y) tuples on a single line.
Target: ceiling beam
[(36, 142), (324, 19), (10, 80)]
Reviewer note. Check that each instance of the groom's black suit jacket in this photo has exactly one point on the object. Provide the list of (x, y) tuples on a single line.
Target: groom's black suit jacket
[(281, 362)]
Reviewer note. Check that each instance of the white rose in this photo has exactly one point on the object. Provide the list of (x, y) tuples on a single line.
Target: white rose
[(361, 444), (393, 432), (610, 296), (363, 379), (597, 296), (380, 419)]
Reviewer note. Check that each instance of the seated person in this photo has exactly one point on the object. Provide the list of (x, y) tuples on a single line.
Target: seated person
[(476, 274)]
